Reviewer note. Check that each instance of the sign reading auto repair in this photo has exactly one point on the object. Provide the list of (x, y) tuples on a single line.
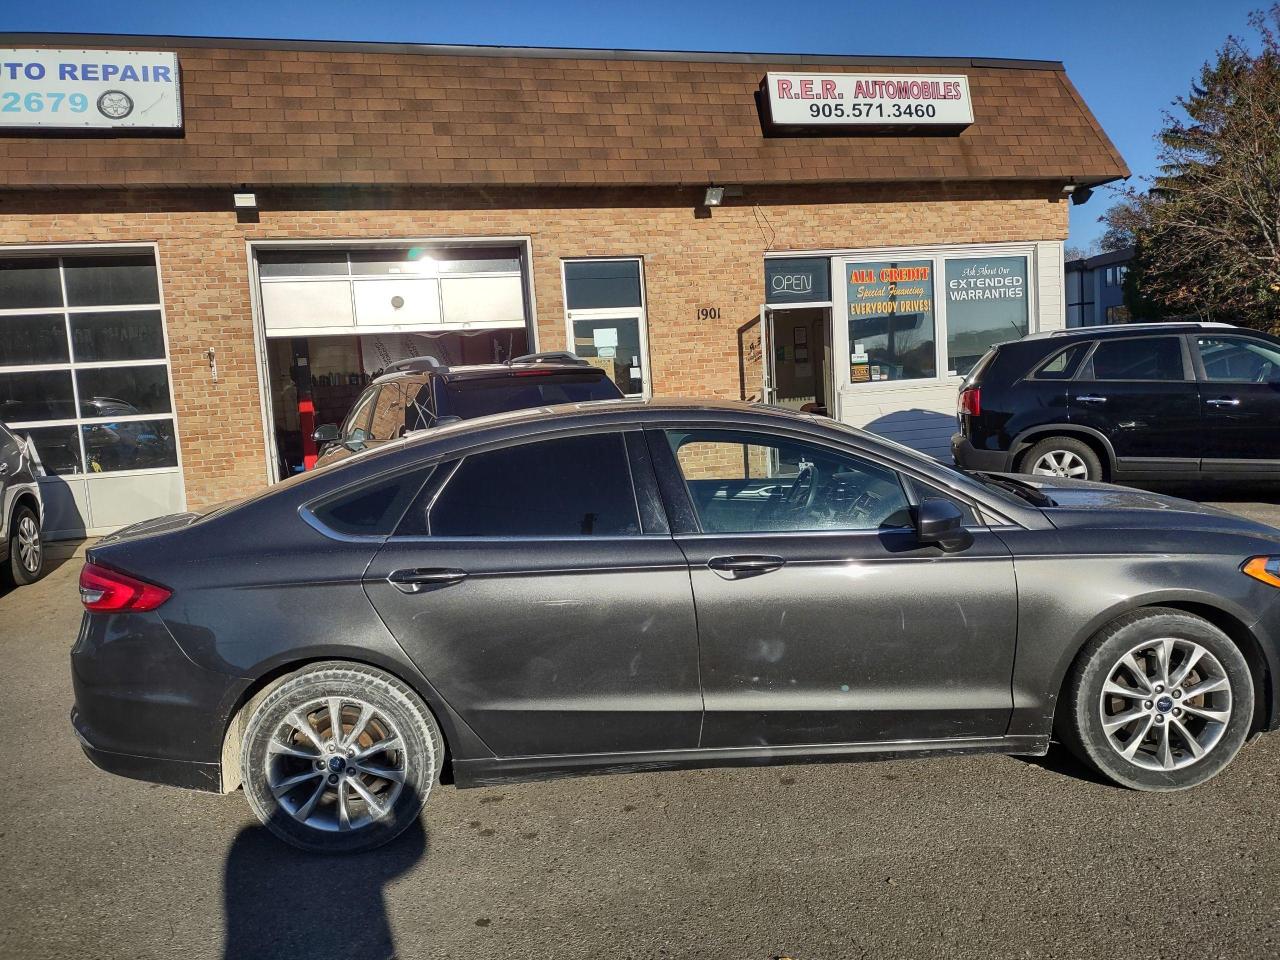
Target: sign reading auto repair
[(868, 100), (89, 88)]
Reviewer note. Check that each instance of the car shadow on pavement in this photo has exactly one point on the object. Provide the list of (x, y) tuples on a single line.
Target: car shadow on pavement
[(1062, 761), (285, 903)]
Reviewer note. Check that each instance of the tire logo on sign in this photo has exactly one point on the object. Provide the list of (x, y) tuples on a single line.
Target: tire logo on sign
[(115, 105)]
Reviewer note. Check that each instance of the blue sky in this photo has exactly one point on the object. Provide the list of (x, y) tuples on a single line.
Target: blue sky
[(1129, 58)]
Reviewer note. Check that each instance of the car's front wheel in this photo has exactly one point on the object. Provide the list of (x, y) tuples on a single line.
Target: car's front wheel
[(1160, 699), (339, 758), (26, 548)]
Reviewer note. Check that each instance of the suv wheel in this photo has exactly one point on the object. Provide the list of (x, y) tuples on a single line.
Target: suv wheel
[(1063, 457), (26, 548), (1159, 700), (339, 758)]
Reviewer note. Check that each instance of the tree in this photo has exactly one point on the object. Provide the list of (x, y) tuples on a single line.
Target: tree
[(1207, 230)]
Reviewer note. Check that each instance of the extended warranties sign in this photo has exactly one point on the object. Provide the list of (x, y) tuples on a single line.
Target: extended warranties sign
[(71, 89)]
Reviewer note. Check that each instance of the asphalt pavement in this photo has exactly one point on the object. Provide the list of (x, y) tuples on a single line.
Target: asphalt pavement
[(985, 857)]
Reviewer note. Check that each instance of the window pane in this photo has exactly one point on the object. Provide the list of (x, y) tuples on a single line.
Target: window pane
[(381, 261), (137, 445), (1149, 358), (57, 447), (613, 345), (371, 511), (1063, 364), (302, 263), (128, 335), (478, 260), (593, 284), (123, 391), (748, 483), (29, 282), (35, 339), (891, 325), (108, 281), (986, 305), (568, 487), (36, 395), (388, 414), (1239, 360)]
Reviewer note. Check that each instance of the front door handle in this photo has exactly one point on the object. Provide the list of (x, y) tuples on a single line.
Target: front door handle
[(1091, 398), (733, 568), (1224, 402), (417, 579)]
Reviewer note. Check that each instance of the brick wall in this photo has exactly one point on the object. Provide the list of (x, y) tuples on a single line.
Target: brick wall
[(691, 260)]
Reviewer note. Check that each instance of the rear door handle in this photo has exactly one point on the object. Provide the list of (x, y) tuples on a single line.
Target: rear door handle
[(1091, 398), (416, 579), (1224, 402), (732, 568)]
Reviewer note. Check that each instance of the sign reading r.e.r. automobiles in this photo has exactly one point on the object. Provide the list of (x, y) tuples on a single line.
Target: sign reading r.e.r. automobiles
[(868, 100)]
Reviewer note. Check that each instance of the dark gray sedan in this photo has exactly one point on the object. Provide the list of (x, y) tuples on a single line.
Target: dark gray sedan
[(622, 586)]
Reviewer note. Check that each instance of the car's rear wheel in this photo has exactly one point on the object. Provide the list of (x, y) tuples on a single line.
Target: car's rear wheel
[(1158, 700), (1064, 457), (26, 548), (339, 758)]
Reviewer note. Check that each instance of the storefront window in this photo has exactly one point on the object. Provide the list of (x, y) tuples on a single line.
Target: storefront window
[(891, 320), (986, 305), (605, 312), (85, 376)]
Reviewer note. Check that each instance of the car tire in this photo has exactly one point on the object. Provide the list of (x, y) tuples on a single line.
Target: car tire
[(1137, 667), (26, 549), (343, 797), (1064, 457)]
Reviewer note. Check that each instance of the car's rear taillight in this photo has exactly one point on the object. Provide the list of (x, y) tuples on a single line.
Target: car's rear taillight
[(103, 590), (970, 401)]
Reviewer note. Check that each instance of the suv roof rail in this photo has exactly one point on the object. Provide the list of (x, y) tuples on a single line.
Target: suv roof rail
[(1162, 325), (410, 362), (550, 356)]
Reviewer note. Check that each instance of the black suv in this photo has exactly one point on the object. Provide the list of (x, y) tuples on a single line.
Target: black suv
[(1141, 401), (421, 392)]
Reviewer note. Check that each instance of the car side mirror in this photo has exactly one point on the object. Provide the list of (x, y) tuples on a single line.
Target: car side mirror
[(941, 522), (325, 433)]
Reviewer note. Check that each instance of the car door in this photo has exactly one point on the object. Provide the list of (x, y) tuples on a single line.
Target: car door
[(1140, 393), (527, 587), (821, 618), (1240, 401)]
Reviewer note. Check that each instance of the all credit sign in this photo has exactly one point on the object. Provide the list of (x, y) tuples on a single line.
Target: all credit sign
[(868, 100), (89, 88)]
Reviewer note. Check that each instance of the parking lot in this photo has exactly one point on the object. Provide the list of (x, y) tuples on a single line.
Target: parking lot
[(967, 857)]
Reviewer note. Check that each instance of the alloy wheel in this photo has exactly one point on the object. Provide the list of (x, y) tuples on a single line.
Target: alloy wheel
[(29, 548), (336, 764), (1166, 704), (1061, 463)]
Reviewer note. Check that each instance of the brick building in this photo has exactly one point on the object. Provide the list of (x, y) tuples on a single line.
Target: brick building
[(193, 273)]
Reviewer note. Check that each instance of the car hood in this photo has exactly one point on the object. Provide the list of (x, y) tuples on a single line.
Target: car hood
[(1084, 503)]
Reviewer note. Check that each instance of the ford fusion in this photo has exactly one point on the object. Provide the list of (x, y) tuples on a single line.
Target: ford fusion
[(623, 586)]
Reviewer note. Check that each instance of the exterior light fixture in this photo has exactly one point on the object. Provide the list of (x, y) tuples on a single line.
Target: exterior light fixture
[(245, 201), (714, 196)]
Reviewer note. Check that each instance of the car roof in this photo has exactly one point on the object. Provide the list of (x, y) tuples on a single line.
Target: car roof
[(481, 371), (1128, 329)]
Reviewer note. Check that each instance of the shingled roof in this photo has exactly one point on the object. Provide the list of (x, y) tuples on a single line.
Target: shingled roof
[(276, 113)]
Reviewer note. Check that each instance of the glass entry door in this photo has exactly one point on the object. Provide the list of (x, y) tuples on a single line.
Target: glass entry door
[(797, 348)]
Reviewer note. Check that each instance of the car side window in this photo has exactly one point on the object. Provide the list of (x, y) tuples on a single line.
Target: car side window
[(757, 483), (1239, 360), (1136, 358), (577, 486), (1062, 364), (387, 421), (373, 509), (355, 429), (418, 412)]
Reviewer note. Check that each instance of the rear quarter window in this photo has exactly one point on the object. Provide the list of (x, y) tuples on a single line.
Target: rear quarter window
[(372, 509), (1063, 364)]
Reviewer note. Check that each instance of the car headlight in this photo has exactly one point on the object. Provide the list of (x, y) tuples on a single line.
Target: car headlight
[(1266, 569)]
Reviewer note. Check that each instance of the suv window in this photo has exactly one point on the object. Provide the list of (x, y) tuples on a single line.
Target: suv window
[(388, 418), (1063, 364), (356, 427), (1239, 360), (749, 483), (566, 487), (475, 397), (1141, 358)]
